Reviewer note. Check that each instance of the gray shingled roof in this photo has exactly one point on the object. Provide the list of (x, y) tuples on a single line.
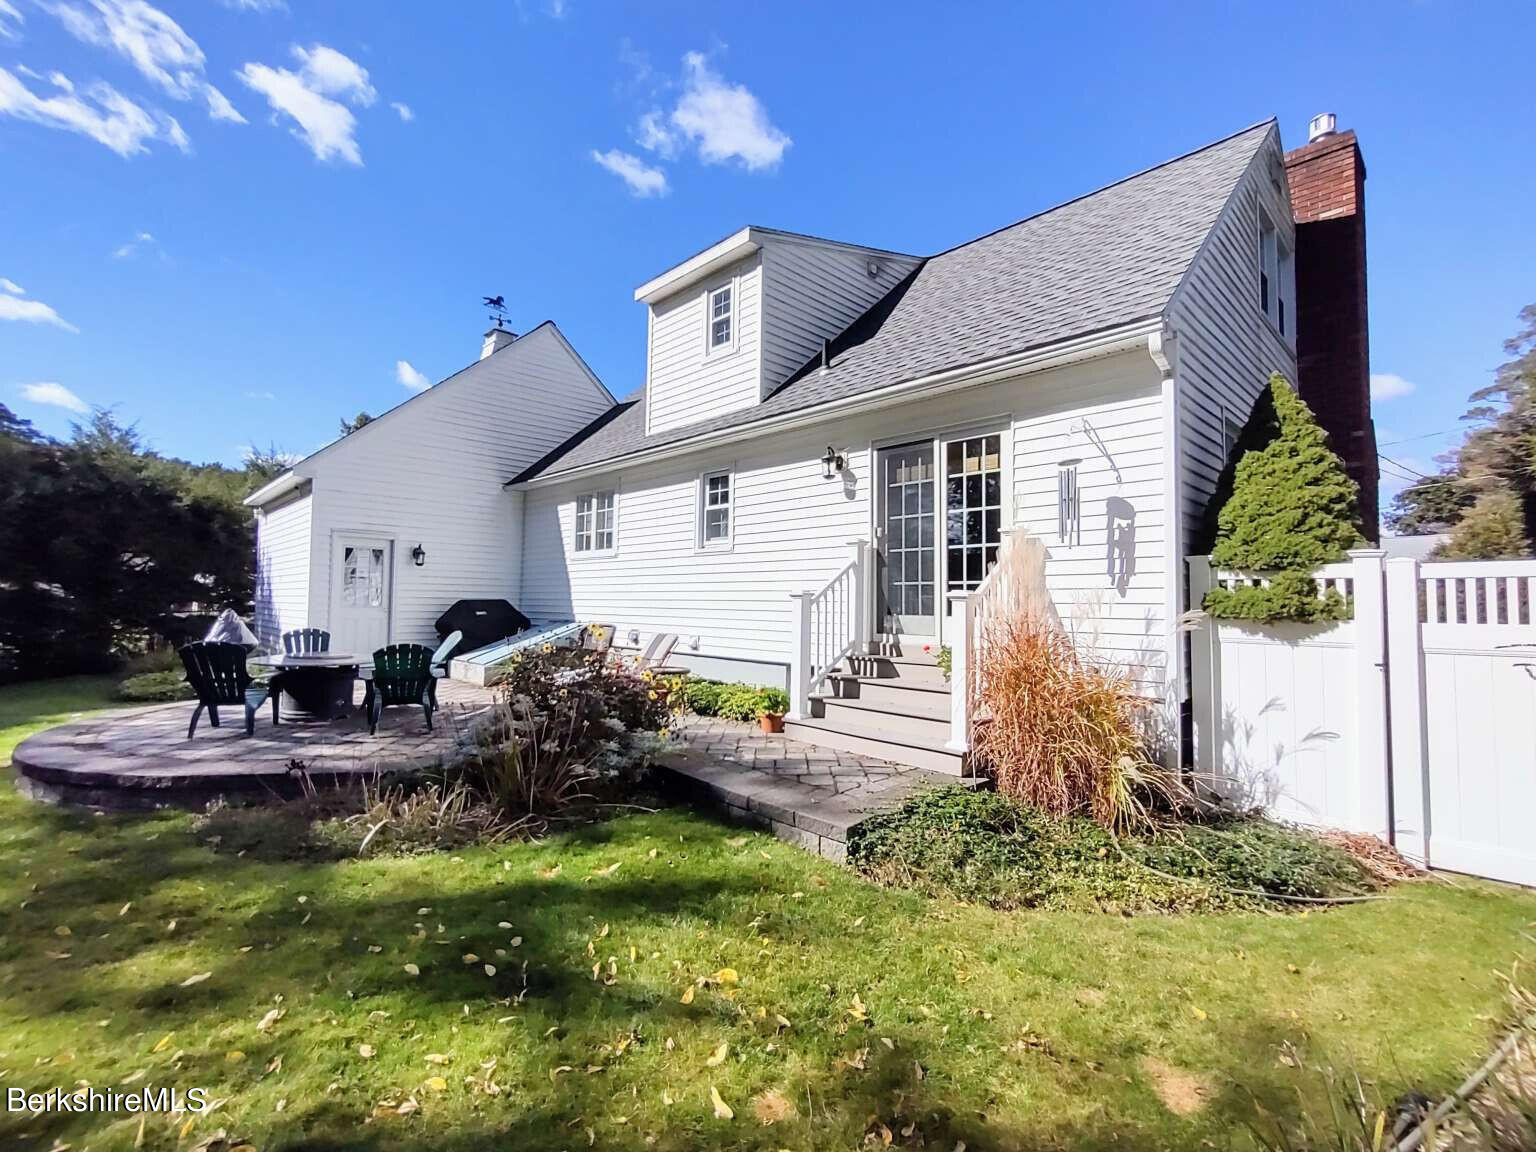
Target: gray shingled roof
[(1107, 259)]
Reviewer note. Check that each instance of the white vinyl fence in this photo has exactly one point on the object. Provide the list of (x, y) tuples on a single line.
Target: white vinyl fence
[(1414, 721)]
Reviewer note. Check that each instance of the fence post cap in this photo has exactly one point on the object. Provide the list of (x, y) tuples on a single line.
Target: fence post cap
[(1366, 553), (958, 594)]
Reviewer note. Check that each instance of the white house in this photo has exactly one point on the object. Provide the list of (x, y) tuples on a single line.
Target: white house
[(831, 443), (336, 534)]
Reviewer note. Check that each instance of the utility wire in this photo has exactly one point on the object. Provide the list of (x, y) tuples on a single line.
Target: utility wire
[(1411, 439)]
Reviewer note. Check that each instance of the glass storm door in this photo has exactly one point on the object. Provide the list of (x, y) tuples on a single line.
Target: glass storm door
[(908, 590), (973, 509), (360, 608)]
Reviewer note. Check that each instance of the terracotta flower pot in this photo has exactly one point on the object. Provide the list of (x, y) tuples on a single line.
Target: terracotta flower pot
[(769, 722)]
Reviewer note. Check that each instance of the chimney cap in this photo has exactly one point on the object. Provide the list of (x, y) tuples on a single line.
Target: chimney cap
[(1323, 124)]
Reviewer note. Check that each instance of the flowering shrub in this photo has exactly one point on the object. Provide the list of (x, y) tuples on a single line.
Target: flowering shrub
[(566, 724)]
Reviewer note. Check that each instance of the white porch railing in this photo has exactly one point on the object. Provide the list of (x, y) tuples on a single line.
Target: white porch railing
[(1010, 582), (828, 626)]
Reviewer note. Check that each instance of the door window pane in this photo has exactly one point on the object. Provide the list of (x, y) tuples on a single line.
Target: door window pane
[(973, 499)]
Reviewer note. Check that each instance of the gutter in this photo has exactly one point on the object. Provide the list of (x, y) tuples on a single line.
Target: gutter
[(272, 489), (1125, 338)]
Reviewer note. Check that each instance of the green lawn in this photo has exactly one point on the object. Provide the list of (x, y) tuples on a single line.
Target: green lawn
[(1002, 1030)]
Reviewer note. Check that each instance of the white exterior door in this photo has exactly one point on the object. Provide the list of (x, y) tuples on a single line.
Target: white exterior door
[(905, 541), (360, 594)]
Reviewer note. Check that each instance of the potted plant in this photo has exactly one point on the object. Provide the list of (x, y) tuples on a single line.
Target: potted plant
[(772, 703)]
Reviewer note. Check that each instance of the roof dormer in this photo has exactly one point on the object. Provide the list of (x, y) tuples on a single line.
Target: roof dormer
[(732, 323)]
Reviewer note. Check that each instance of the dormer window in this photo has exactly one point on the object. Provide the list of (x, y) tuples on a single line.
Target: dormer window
[(722, 315)]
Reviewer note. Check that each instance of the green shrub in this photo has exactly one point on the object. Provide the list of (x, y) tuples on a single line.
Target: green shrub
[(702, 697), (738, 702), (155, 688), (774, 701), (986, 847), (1284, 504)]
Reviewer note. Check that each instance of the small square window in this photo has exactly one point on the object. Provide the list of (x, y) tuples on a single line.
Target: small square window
[(595, 530), (715, 509), (721, 317)]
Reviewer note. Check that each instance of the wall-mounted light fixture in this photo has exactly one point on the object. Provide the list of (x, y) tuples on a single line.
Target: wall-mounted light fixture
[(418, 555), (832, 463)]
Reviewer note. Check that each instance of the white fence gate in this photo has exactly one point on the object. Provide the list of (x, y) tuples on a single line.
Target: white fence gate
[(1415, 721)]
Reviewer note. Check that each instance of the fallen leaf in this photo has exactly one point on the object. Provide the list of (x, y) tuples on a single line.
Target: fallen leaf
[(471, 958), (366, 1051), (271, 1018), (62, 930), (687, 997), (198, 979), (435, 1083), (1198, 1011), (722, 1109), (717, 1057), (504, 924), (726, 976), (608, 871), (548, 873), (412, 970), (490, 969), (165, 1042), (234, 1056), (773, 1106)]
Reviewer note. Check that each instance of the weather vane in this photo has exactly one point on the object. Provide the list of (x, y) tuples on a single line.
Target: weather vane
[(498, 307)]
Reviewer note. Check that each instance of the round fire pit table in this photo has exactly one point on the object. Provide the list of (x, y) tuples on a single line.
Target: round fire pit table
[(315, 685)]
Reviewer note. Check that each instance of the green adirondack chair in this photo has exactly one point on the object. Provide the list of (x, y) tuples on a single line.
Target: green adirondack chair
[(402, 674), (218, 675), (306, 641)]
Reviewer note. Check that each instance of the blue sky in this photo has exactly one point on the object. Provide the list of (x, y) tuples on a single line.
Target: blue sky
[(234, 222)]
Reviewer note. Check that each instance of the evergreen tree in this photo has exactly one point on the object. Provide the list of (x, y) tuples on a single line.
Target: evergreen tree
[(1292, 508), (1486, 495)]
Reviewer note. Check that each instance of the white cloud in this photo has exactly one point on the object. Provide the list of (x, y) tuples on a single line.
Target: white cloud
[(261, 395), (725, 121), (331, 73), (1389, 386), (54, 395), (403, 111), (141, 242), (643, 180), (59, 80), (15, 306), (408, 376), (654, 135), (153, 43), (256, 5), (102, 113), (305, 96), (11, 21)]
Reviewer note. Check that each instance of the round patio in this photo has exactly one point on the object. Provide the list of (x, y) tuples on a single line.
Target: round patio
[(141, 757)]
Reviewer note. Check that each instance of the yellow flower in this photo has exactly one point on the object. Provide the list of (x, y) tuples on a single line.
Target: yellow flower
[(651, 695)]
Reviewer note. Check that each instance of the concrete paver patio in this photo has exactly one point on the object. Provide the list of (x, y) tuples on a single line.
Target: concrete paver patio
[(803, 794), (141, 758)]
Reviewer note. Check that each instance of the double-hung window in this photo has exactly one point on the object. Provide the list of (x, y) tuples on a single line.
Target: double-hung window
[(595, 522), (715, 509), (1277, 278), (722, 317)]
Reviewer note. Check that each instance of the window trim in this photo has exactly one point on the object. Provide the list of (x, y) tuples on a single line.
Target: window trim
[(702, 508), (593, 494), (1276, 297), (732, 282)]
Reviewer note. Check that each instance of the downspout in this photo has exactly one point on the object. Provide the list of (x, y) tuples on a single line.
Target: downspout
[(1163, 348)]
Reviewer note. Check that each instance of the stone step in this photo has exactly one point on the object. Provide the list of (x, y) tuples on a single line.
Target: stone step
[(903, 726), (894, 692), (864, 737)]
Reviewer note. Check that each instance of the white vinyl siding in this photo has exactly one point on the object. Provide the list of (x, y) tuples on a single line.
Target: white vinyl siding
[(432, 473), (282, 568), (791, 527), (1227, 347), (689, 380), (811, 292)]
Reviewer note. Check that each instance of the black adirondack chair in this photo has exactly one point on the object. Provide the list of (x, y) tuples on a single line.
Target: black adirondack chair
[(306, 641), (402, 674), (218, 675)]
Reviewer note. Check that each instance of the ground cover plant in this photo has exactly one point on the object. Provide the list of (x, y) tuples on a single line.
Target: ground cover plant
[(987, 847), (620, 976)]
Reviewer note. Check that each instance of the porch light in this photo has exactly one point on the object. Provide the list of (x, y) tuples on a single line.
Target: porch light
[(418, 555), (832, 463)]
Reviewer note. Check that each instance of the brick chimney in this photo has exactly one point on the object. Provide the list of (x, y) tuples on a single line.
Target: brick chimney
[(1327, 179)]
